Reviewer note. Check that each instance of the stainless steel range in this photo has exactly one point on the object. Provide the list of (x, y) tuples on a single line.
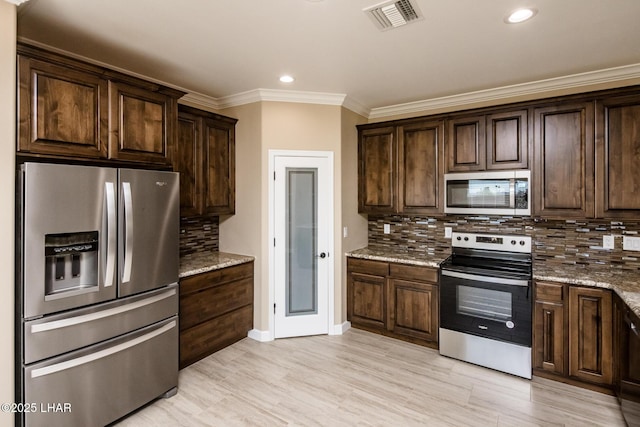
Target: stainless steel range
[(486, 302)]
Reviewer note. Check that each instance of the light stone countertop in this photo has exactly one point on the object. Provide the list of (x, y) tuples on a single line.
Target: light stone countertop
[(401, 257), (625, 283), (203, 262)]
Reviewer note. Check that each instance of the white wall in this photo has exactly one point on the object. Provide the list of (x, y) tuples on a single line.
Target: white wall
[(7, 177)]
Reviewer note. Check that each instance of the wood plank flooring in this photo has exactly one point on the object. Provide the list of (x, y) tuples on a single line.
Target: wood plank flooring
[(364, 379)]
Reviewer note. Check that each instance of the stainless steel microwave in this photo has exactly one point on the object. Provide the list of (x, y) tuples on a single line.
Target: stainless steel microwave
[(488, 193)]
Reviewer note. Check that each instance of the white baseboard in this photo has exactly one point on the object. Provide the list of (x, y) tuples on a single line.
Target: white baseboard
[(262, 336), (340, 329)]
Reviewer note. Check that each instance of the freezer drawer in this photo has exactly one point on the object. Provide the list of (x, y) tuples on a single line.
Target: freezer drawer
[(97, 385), (61, 333)]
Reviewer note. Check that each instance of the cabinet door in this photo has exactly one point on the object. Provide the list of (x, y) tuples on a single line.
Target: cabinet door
[(61, 111), (377, 171), (564, 153), (618, 156), (549, 328), (590, 335), (367, 304), (466, 145), (189, 163), (219, 167), (507, 140), (413, 309), (421, 169), (549, 338), (141, 125)]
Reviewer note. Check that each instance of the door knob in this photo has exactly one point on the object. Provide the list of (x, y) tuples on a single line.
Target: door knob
[(322, 255)]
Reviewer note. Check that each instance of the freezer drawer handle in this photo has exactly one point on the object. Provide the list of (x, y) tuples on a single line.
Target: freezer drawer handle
[(71, 321), (62, 366), (128, 238), (111, 234)]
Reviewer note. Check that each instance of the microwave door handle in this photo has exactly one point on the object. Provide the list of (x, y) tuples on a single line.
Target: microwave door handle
[(128, 232), (512, 193), (111, 234)]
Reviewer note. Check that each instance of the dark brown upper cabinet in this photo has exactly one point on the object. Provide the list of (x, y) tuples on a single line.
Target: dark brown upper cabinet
[(495, 141), (401, 168), (206, 162), (466, 144), (563, 178), (61, 111), (75, 110), (507, 140), (377, 170), (421, 167), (141, 125), (618, 157)]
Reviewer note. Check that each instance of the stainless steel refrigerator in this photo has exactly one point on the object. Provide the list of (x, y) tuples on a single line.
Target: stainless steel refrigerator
[(97, 292)]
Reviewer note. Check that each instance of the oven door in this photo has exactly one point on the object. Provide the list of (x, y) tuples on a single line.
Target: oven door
[(486, 306)]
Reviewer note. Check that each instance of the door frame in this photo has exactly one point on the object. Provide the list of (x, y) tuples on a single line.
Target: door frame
[(328, 155)]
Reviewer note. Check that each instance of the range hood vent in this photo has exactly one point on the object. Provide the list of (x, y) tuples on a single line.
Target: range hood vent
[(393, 14)]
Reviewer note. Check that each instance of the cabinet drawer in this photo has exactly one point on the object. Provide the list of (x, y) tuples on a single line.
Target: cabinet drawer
[(412, 272), (375, 268), (214, 301), (209, 337), (550, 292), (202, 281)]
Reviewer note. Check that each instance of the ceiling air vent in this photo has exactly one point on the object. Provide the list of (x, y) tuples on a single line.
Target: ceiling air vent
[(392, 14)]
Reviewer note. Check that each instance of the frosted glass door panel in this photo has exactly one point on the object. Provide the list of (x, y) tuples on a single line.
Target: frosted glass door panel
[(301, 241)]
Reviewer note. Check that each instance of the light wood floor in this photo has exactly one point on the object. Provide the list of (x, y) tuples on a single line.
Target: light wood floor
[(363, 379)]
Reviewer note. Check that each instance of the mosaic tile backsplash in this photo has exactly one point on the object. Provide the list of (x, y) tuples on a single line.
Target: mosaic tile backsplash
[(574, 242), (199, 234)]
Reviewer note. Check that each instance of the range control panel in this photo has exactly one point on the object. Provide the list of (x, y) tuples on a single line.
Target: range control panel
[(496, 242)]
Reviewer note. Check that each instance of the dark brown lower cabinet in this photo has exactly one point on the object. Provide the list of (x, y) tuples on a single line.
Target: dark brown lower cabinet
[(366, 293), (590, 335), (216, 310), (572, 336), (549, 330), (627, 360), (397, 300)]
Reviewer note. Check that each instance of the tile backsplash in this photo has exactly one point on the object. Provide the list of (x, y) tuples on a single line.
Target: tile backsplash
[(575, 242), (199, 234)]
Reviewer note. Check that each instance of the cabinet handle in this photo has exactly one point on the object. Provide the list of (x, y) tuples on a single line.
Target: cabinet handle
[(634, 329)]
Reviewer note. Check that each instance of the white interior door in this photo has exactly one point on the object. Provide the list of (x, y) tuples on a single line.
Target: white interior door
[(303, 221)]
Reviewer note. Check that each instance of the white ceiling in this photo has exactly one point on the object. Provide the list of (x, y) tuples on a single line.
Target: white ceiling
[(221, 48)]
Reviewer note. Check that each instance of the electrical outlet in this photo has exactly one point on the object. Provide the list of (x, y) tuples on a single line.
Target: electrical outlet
[(387, 228), (447, 232), (608, 242), (630, 243)]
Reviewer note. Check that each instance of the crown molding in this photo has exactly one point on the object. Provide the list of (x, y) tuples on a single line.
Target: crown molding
[(16, 2), (581, 80), (623, 75)]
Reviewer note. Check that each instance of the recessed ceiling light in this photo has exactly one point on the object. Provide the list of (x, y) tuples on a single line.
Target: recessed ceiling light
[(520, 15), (286, 79)]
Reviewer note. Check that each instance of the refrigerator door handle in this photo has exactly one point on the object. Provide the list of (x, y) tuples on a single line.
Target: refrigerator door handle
[(111, 233), (128, 232), (82, 360)]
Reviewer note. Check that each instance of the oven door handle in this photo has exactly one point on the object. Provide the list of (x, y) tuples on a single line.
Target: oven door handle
[(488, 279)]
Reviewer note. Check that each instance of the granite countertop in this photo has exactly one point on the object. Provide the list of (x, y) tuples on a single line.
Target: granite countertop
[(401, 257), (203, 262), (625, 283)]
